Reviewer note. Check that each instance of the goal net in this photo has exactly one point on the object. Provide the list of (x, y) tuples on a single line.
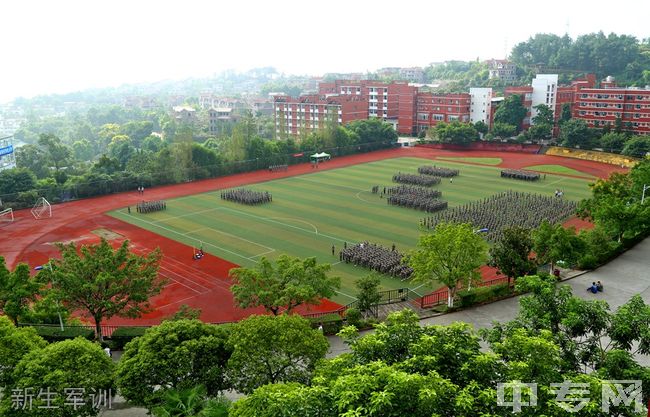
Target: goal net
[(6, 215), (42, 209)]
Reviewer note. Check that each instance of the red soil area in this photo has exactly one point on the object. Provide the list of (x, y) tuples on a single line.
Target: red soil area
[(203, 284)]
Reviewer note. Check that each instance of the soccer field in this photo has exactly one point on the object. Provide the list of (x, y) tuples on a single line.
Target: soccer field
[(312, 212)]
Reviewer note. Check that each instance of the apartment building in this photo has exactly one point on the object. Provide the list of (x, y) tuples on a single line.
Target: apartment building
[(435, 108), (502, 69)]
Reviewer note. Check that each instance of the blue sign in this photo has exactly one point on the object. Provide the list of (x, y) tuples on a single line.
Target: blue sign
[(7, 150)]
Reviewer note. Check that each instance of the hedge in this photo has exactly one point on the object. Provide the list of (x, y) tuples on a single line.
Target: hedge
[(54, 333), (123, 335), (332, 323), (482, 294)]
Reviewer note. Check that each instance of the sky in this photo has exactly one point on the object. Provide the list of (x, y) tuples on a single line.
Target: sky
[(69, 45)]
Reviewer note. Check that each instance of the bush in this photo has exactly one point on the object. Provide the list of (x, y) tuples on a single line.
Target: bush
[(482, 294), (54, 333), (124, 335), (588, 261), (353, 317), (332, 323)]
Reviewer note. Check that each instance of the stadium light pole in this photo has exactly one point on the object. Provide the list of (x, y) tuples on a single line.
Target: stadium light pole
[(58, 310), (645, 187)]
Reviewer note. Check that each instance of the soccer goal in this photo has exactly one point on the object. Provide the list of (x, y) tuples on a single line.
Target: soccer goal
[(6, 215), (42, 209)]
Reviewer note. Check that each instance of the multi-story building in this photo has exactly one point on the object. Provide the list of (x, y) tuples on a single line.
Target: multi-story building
[(435, 108), (481, 105), (184, 114), (600, 107), (502, 69), (7, 154)]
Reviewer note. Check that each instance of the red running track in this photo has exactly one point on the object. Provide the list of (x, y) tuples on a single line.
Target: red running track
[(202, 284)]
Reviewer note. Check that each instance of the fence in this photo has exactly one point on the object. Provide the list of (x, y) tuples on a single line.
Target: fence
[(440, 297)]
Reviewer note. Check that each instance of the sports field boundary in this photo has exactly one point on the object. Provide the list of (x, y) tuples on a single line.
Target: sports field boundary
[(30, 241)]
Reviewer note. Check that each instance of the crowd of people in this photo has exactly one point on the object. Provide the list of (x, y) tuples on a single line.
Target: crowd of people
[(519, 174), (247, 196), (150, 206), (410, 189), (417, 202), (507, 209), (378, 258), (438, 171), (278, 168), (422, 180)]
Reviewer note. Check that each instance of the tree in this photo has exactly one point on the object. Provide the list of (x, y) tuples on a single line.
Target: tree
[(455, 132), (59, 153), (272, 349), (450, 255), (373, 133), (613, 142), (503, 130), (16, 180), (566, 114), (103, 282), (511, 112), (18, 290), (285, 285), (638, 146), (177, 354), (511, 253), (368, 295), (552, 243), (544, 115), (481, 127), (191, 402), (71, 364), (34, 159), (15, 342), (576, 133)]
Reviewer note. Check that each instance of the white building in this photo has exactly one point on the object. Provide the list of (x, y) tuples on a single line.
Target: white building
[(480, 105), (7, 154), (544, 92)]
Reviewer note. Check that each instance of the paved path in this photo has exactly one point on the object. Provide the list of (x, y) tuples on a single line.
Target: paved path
[(627, 275)]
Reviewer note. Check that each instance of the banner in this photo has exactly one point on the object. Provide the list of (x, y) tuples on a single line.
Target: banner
[(7, 150), (298, 155)]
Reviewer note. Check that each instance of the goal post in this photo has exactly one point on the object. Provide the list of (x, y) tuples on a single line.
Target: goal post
[(7, 215), (42, 209)]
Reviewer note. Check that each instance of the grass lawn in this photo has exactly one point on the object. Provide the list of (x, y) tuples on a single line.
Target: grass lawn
[(312, 212), (483, 161), (558, 169)]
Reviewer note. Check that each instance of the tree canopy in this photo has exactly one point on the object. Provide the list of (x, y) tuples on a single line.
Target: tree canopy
[(511, 111), (283, 286), (103, 282), (451, 254)]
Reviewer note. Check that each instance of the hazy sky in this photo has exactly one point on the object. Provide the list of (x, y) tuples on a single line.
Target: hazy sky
[(67, 45)]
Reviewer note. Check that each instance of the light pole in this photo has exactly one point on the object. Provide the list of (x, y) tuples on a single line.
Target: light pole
[(645, 187), (58, 310)]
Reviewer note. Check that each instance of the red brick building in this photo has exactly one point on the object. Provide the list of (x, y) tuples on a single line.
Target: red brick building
[(435, 108)]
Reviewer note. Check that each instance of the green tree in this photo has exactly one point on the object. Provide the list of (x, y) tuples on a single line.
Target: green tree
[(272, 349), (638, 146), (566, 114), (103, 282), (511, 253), (78, 364), (576, 133), (613, 142), (543, 116), (283, 286), (58, 153), (83, 150), (552, 243), (34, 159), (177, 354), (511, 112), (18, 290), (455, 132), (16, 180), (481, 127), (373, 133), (15, 342), (191, 402), (503, 130), (368, 295), (450, 255)]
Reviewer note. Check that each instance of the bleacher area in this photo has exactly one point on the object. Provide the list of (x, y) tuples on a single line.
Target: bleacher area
[(597, 156)]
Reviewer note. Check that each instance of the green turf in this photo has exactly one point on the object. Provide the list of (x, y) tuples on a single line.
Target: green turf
[(558, 169), (483, 161), (312, 212)]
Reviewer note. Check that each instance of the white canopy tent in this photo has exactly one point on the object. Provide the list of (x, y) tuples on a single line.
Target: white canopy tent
[(322, 156)]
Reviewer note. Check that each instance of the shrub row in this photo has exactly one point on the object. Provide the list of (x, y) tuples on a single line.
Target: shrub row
[(468, 298)]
